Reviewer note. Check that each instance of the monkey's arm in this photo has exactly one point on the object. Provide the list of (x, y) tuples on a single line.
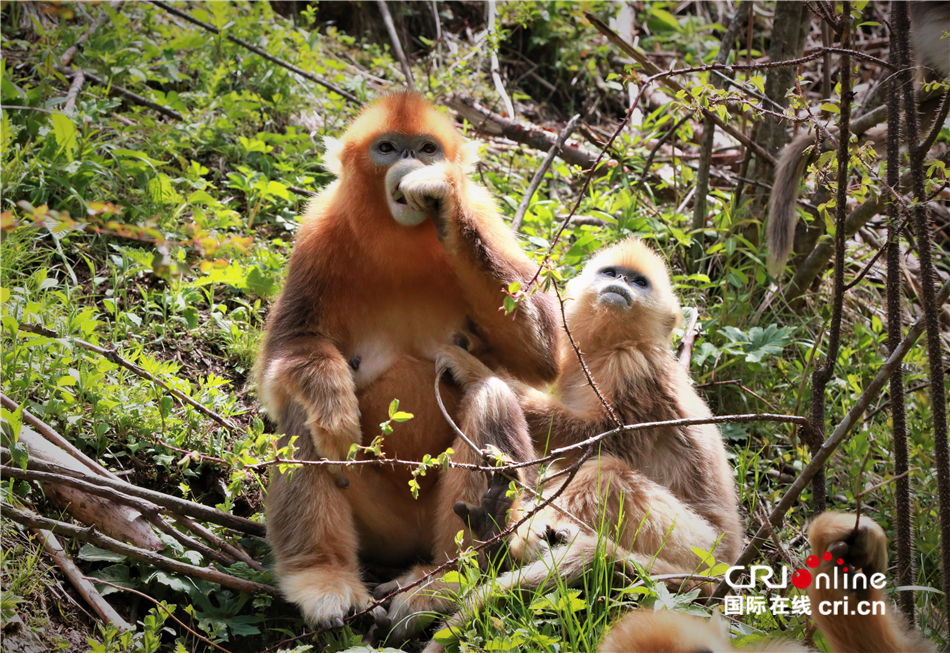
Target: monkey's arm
[(864, 548), (486, 260), (311, 372)]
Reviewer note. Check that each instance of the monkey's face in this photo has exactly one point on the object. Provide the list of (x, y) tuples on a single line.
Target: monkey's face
[(400, 154), (626, 290)]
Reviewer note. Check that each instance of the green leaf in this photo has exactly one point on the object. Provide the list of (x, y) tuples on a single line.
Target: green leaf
[(92, 553), (830, 108), (65, 131)]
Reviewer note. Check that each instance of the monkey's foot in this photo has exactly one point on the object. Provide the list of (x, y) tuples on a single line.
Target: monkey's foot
[(538, 536), (326, 596), (411, 611), (464, 368)]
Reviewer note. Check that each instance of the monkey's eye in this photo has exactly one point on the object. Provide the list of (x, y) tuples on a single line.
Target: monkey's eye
[(386, 147), (429, 148), (609, 272), (641, 282)]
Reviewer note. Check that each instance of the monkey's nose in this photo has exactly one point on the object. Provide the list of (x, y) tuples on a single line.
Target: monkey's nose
[(408, 154)]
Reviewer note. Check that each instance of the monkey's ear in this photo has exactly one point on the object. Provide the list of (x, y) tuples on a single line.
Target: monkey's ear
[(333, 157), (468, 155)]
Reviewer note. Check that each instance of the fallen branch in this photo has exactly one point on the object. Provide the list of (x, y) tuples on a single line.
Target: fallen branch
[(542, 170), (181, 506), (115, 89), (71, 51), (92, 536), (75, 577), (487, 121), (73, 93), (113, 355), (839, 435), (256, 50)]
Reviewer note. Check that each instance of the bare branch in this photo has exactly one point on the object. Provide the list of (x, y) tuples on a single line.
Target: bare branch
[(542, 170)]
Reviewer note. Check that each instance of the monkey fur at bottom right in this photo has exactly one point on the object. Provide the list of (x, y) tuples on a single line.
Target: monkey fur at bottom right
[(862, 550)]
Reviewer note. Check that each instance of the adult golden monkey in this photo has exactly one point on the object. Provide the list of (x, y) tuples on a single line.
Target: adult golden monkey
[(402, 255)]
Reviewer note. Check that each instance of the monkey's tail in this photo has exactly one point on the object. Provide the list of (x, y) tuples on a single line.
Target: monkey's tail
[(560, 565), (780, 227)]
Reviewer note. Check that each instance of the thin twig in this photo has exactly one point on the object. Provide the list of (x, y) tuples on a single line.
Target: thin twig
[(542, 170), (113, 355), (823, 373), (73, 93), (92, 536), (161, 605), (256, 50)]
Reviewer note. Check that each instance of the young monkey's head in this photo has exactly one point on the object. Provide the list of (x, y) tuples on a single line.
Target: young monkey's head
[(624, 294)]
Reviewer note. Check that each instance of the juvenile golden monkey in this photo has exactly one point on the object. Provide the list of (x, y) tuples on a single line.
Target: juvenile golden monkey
[(673, 485), (402, 255)]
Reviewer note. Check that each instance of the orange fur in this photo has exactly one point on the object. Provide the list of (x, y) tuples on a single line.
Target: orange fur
[(367, 304)]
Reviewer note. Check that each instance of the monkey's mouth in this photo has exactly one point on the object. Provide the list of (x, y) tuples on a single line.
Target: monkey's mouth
[(616, 295), (399, 197)]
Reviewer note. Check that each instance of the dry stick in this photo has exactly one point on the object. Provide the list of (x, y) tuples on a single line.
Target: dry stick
[(160, 605), (902, 498), (709, 132), (823, 373), (839, 435), (397, 46), (539, 175), (689, 339), (86, 589), (487, 121), (901, 29), (47, 432), (73, 92), (148, 509), (494, 67), (92, 536), (98, 484), (113, 355), (256, 50), (115, 89)]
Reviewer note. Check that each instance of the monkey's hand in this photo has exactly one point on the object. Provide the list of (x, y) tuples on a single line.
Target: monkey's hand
[(333, 437), (487, 520), (860, 549), (464, 368), (431, 189)]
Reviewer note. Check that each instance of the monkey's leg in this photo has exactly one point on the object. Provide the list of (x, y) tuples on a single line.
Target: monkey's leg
[(491, 418), (312, 373), (836, 610), (643, 517), (310, 528)]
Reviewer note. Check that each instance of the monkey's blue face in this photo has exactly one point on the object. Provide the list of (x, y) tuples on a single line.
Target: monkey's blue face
[(621, 287), (402, 154)]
